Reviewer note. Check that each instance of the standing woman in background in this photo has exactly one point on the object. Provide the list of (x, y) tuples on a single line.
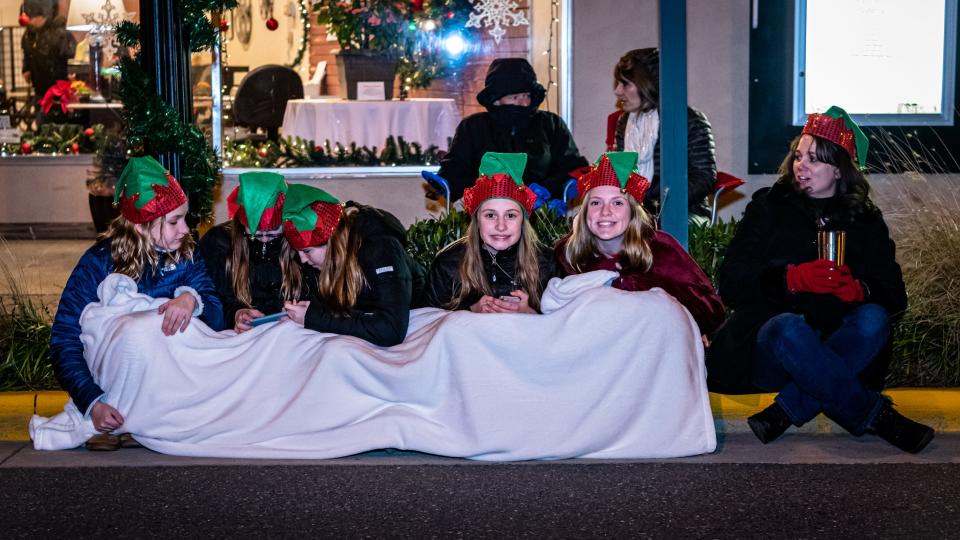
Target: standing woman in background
[(806, 327), (499, 266), (244, 260), (636, 83)]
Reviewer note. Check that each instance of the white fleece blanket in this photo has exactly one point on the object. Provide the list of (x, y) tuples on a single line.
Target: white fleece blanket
[(602, 374)]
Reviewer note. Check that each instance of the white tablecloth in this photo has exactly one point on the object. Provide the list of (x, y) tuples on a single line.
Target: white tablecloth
[(369, 123)]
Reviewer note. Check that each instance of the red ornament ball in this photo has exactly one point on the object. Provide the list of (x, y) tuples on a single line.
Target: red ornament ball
[(23, 19), (26, 148), (262, 152), (272, 24), (88, 132), (318, 148), (75, 148), (224, 25)]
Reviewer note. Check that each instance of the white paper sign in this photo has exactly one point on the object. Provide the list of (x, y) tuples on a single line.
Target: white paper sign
[(371, 91), (8, 135)]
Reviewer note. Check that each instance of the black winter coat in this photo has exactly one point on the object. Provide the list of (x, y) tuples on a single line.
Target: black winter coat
[(500, 269), (779, 228), (265, 276), (46, 51), (382, 310), (701, 163), (551, 151)]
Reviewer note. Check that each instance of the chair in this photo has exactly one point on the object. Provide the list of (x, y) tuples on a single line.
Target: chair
[(262, 98), (724, 182), (438, 183)]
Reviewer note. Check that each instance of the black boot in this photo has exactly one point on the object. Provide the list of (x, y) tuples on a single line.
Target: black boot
[(769, 423), (901, 431)]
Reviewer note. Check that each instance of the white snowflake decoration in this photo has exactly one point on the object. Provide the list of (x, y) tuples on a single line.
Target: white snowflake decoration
[(495, 12)]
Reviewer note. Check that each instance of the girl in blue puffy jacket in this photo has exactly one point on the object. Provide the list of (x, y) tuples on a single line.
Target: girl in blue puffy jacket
[(151, 243)]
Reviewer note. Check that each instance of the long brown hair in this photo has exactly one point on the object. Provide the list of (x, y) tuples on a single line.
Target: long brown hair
[(340, 280), (473, 278), (635, 254), (238, 263), (132, 249), (633, 68)]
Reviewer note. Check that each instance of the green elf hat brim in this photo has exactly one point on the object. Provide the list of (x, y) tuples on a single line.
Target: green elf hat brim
[(258, 191)]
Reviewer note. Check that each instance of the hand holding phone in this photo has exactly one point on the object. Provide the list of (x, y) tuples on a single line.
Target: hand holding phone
[(511, 299), (267, 319)]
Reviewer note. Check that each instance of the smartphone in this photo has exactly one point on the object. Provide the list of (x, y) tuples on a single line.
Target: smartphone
[(267, 319), (511, 299)]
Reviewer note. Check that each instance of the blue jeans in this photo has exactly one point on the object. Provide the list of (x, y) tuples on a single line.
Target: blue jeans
[(815, 376)]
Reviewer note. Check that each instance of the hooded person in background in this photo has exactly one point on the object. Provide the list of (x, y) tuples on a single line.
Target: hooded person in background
[(46, 46), (512, 124)]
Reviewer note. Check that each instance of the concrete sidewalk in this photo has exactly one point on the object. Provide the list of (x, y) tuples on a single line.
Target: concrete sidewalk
[(936, 407)]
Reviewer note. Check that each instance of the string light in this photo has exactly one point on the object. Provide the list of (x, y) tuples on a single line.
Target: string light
[(552, 46)]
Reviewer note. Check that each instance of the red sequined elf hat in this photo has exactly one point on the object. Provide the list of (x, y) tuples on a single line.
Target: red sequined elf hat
[(146, 191), (617, 169), (836, 126), (501, 177), (310, 215), (260, 197)]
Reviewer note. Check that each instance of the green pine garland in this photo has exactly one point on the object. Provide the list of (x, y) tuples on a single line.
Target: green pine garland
[(154, 127), (298, 152)]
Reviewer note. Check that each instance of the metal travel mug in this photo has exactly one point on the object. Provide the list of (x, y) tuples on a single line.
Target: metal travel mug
[(831, 246)]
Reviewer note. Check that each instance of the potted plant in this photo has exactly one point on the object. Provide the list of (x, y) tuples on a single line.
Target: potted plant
[(379, 38), (369, 33), (108, 164)]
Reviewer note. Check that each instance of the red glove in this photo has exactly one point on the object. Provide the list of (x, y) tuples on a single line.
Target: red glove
[(819, 276), (850, 289)]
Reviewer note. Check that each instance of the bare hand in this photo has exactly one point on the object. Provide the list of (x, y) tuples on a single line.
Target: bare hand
[(706, 341), (489, 304), (241, 321), (26, 76), (105, 418), (177, 313), (297, 311)]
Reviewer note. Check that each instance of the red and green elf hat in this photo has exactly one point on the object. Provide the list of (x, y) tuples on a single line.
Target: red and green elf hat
[(836, 126), (501, 177), (617, 169), (146, 191), (260, 197), (310, 215)]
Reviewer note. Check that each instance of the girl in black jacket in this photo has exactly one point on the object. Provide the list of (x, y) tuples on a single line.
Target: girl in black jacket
[(244, 260), (805, 327), (352, 266), (499, 266)]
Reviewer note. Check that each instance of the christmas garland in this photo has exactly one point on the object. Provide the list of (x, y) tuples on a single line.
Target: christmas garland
[(297, 152), (154, 127)]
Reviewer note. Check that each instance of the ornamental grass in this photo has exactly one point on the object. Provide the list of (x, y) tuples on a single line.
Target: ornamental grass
[(24, 336)]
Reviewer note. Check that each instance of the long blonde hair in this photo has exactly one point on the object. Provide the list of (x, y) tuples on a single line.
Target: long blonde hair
[(635, 254), (340, 280), (132, 249), (473, 278)]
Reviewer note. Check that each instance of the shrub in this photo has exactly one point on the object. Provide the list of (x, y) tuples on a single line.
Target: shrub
[(24, 339)]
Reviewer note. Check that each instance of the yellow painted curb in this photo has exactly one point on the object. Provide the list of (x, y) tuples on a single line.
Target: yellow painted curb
[(937, 407)]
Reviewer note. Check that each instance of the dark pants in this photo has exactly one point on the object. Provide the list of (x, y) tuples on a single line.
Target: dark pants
[(815, 376)]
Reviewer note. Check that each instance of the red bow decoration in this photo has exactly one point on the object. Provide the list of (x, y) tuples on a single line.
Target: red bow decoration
[(60, 89)]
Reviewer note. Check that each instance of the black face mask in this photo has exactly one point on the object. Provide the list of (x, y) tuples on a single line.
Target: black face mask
[(512, 116), (264, 251)]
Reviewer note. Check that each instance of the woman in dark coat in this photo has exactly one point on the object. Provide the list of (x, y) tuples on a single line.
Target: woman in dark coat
[(636, 80), (353, 267), (499, 266), (613, 232), (512, 123), (810, 328)]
